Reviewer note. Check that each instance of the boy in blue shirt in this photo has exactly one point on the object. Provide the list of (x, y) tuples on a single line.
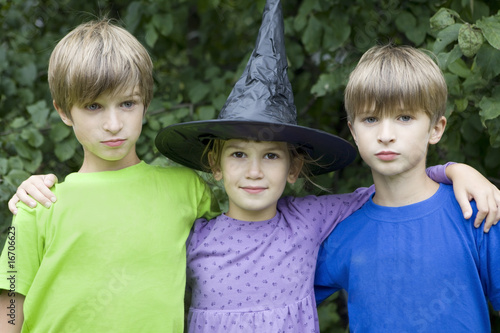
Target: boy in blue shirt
[(111, 255), (408, 259)]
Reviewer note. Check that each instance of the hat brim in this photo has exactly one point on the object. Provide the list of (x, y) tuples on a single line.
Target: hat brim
[(185, 143)]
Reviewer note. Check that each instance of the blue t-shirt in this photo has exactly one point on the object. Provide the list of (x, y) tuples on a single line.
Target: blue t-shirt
[(417, 268)]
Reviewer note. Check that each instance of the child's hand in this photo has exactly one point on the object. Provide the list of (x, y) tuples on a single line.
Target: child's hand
[(35, 188), (469, 184)]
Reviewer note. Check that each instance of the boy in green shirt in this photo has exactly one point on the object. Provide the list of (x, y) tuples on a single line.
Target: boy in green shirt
[(110, 256)]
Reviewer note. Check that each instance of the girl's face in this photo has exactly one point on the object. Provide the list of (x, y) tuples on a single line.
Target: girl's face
[(255, 175)]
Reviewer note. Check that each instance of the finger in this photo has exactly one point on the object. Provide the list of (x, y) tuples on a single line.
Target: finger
[(31, 194), (44, 194), (50, 180), (12, 204), (493, 215), (486, 212), (25, 198), (464, 203)]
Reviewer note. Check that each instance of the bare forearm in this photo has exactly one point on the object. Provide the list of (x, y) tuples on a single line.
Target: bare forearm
[(11, 312)]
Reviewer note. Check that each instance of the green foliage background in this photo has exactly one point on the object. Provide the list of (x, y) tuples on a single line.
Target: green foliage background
[(200, 48)]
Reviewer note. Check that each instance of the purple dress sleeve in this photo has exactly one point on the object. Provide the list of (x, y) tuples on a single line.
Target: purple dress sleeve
[(438, 173)]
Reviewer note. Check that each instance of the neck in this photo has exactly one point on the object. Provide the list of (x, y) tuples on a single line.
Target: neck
[(401, 190), (103, 165)]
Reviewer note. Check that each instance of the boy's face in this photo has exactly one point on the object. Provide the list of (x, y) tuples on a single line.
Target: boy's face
[(255, 175), (108, 129), (393, 145)]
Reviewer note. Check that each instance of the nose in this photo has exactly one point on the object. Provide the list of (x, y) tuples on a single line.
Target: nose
[(386, 132), (112, 121), (254, 170)]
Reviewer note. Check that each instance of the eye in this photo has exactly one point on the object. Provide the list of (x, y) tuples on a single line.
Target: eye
[(93, 107), (370, 120), (271, 156), (128, 104), (405, 118), (238, 154)]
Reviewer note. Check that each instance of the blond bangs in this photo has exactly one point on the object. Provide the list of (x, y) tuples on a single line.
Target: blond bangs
[(390, 80), (98, 58)]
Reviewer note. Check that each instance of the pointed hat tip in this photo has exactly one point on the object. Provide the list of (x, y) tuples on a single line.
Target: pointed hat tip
[(264, 92)]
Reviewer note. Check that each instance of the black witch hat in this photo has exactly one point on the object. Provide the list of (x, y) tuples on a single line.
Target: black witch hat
[(260, 108)]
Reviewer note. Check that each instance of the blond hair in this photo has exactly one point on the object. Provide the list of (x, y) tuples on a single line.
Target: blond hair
[(390, 79), (95, 58)]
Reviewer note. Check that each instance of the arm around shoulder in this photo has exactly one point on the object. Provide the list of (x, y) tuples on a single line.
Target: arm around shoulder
[(468, 184)]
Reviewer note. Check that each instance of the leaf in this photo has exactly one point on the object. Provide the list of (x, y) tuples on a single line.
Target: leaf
[(471, 129), (8, 86), (18, 122), (16, 177), (445, 37), (335, 36), (151, 35), (65, 150), (300, 22), (470, 40), (443, 18), (3, 56), (461, 104), (32, 164), (27, 74), (164, 23), (39, 113), (295, 54), (312, 35), (488, 61), (59, 132), (490, 108), (418, 34), (405, 21), (445, 59), (205, 112), (4, 164), (490, 26), (326, 84), (133, 16), (15, 162), (460, 68), (32, 136), (153, 123), (198, 91), (23, 149), (494, 132)]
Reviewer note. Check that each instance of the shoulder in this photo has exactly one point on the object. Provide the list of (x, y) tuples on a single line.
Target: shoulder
[(200, 230), (170, 170), (174, 175), (301, 203)]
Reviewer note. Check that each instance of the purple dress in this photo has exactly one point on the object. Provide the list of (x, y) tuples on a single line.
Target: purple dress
[(258, 276)]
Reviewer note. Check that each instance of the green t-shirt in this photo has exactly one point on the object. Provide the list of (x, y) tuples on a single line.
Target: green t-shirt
[(110, 255)]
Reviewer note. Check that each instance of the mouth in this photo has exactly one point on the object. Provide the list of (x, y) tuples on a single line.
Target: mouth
[(253, 189), (387, 155), (113, 143)]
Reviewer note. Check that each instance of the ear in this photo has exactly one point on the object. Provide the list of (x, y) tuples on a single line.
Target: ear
[(353, 132), (67, 120), (295, 168), (437, 131), (216, 171)]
